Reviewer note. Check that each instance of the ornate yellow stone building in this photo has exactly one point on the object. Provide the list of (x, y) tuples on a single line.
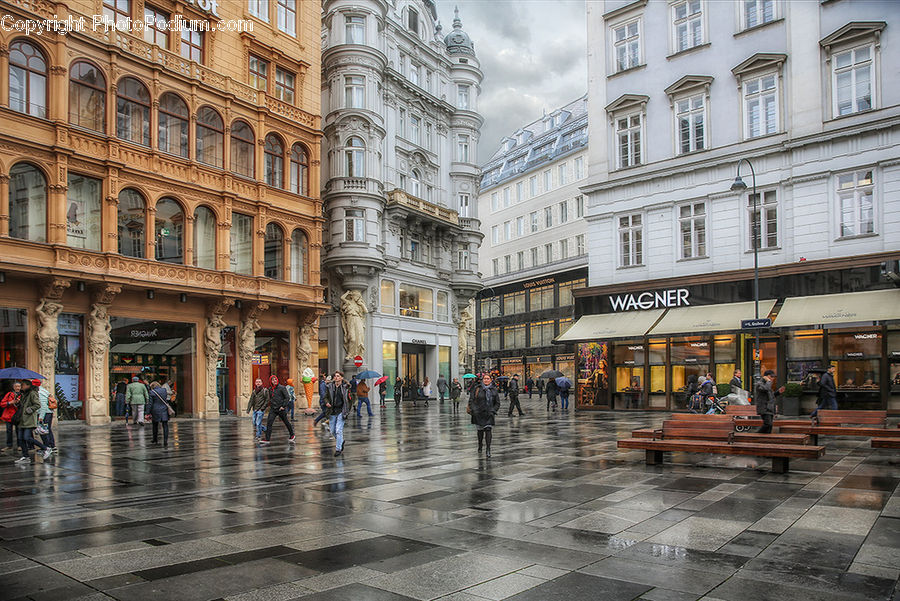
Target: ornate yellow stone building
[(159, 197)]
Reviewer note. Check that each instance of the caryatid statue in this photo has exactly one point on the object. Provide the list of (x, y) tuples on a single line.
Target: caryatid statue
[(353, 322)]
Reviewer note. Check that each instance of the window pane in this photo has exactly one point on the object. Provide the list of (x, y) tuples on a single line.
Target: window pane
[(204, 238), (83, 212), (27, 203), (169, 232), (241, 244), (131, 223)]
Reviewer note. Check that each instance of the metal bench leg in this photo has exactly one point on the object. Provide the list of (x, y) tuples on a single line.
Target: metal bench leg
[(814, 439), (780, 465), (654, 457)]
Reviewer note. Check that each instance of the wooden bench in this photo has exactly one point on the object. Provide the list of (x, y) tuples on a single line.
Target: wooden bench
[(781, 454), (703, 429), (835, 423), (886, 443)]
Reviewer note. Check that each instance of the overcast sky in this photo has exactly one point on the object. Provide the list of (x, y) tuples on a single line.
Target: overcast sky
[(532, 53)]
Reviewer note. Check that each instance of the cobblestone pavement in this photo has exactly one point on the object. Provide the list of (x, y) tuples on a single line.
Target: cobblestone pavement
[(411, 511)]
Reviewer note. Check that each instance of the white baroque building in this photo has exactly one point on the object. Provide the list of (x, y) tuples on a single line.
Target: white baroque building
[(401, 129)]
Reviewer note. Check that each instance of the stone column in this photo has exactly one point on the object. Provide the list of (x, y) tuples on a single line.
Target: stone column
[(246, 348), (47, 334), (98, 340), (213, 347), (4, 206)]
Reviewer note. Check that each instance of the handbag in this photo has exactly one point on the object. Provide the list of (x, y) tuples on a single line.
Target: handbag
[(169, 409)]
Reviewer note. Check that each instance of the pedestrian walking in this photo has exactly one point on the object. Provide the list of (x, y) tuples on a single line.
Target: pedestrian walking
[(256, 407), (136, 395), (362, 396), (45, 419), (9, 407), (442, 387), (398, 391), (291, 395), (278, 404), (323, 383), (765, 400), (540, 388), (337, 402), (426, 390), (512, 389), (484, 403), (31, 404), (529, 386), (455, 391), (564, 394), (121, 387), (158, 408), (827, 392), (551, 390), (382, 392)]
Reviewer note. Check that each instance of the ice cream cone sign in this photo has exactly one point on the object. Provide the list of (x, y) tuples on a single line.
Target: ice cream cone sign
[(308, 377)]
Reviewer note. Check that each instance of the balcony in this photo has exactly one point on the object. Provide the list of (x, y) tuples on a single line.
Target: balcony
[(427, 209)]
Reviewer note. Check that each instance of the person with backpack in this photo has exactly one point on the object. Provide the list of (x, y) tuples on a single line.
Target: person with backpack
[(10, 405), (45, 418), (31, 405), (278, 404), (158, 407)]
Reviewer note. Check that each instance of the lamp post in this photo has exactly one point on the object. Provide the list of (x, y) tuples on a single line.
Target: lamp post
[(740, 186)]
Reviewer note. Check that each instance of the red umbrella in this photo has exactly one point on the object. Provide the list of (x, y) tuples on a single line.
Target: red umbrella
[(380, 380)]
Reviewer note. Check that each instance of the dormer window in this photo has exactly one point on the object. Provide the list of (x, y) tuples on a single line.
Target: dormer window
[(413, 20)]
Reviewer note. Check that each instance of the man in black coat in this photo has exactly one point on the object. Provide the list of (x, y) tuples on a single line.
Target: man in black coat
[(827, 392), (765, 400), (278, 404), (529, 386), (736, 380), (513, 393)]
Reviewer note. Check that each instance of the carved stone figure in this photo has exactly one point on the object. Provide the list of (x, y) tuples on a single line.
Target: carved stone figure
[(353, 321), (98, 340), (246, 348), (213, 346), (304, 345), (48, 338), (463, 332)]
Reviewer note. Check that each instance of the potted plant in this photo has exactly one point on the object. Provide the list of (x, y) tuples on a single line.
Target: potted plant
[(723, 390), (790, 400)]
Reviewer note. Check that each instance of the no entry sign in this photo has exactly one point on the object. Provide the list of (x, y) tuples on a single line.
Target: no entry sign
[(357, 361)]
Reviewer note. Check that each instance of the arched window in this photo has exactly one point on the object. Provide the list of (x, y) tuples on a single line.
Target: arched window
[(204, 238), (415, 182), (83, 219), (274, 252), (299, 170), (274, 161), (27, 79), (27, 203), (87, 97), (173, 125), (298, 257), (131, 223), (210, 137), (133, 111), (355, 157), (242, 149), (169, 232)]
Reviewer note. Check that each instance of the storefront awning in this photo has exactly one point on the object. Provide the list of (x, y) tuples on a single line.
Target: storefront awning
[(628, 324), (852, 307), (709, 318)]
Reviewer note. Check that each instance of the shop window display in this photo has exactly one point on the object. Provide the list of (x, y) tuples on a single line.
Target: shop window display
[(272, 356), (629, 358), (689, 357), (804, 352), (893, 355), (656, 357), (593, 374), (857, 357), (13, 328), (725, 357), (69, 387)]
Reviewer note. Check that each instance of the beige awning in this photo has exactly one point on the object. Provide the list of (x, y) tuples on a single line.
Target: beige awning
[(877, 305), (628, 324), (710, 318)]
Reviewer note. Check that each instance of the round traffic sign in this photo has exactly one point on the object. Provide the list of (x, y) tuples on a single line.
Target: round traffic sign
[(357, 361)]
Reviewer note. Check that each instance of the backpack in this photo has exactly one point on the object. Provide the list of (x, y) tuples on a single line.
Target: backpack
[(51, 403)]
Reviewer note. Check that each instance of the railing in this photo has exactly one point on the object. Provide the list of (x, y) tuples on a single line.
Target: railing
[(400, 197)]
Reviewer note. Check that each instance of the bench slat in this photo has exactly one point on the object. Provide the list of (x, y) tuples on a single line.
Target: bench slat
[(886, 443), (737, 448), (718, 435), (841, 431)]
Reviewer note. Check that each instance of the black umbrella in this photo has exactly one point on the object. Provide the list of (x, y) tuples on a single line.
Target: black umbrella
[(552, 374)]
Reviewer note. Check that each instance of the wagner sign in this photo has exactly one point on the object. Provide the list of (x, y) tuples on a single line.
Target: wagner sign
[(662, 299)]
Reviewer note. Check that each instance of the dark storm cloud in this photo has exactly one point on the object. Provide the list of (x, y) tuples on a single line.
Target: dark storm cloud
[(532, 53)]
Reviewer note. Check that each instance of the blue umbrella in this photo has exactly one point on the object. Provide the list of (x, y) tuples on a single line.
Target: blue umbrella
[(19, 373), (564, 382), (365, 375)]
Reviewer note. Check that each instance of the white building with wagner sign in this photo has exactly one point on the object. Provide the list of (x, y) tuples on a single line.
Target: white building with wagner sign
[(400, 258)]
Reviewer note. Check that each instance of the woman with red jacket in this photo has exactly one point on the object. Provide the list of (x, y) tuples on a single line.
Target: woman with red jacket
[(9, 405)]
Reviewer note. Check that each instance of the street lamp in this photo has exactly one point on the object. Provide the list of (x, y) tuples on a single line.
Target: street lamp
[(740, 186)]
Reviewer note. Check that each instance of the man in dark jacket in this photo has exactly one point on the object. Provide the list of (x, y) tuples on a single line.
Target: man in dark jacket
[(256, 407), (338, 403), (278, 404), (529, 386), (552, 391), (484, 402), (442, 387), (827, 392), (764, 398), (513, 394), (736, 381)]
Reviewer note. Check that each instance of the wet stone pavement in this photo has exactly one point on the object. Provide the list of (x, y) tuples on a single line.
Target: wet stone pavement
[(411, 511)]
